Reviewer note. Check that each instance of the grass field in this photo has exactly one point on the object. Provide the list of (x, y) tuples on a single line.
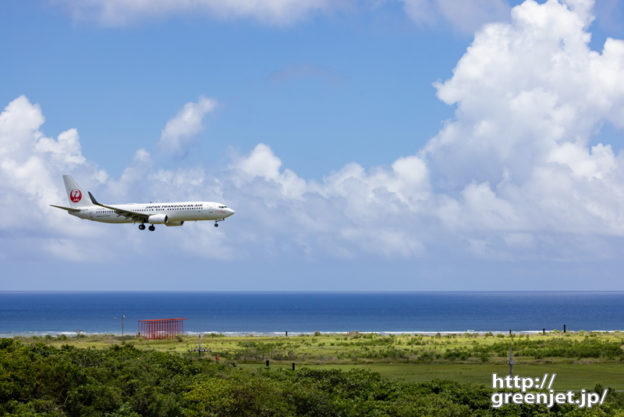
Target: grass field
[(580, 360), (569, 376)]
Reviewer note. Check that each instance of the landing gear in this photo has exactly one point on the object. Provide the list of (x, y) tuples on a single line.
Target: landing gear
[(216, 224), (151, 227)]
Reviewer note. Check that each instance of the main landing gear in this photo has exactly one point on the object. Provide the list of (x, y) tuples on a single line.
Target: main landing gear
[(151, 227), (216, 224), (141, 226)]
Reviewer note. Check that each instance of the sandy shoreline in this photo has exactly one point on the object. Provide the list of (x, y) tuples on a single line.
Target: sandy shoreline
[(305, 333)]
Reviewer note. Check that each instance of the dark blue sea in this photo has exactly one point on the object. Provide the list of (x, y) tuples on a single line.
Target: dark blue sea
[(28, 313)]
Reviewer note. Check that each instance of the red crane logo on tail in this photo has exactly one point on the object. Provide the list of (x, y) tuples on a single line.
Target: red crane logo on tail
[(75, 195)]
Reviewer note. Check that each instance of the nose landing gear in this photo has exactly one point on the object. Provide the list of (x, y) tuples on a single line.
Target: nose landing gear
[(216, 224)]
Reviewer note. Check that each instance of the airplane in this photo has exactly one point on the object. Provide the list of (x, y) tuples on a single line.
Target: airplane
[(169, 214)]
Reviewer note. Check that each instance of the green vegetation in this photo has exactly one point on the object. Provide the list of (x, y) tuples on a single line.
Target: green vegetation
[(114, 376), (580, 359), (361, 348)]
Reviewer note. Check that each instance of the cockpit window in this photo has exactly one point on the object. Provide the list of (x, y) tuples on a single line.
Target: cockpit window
[(222, 206)]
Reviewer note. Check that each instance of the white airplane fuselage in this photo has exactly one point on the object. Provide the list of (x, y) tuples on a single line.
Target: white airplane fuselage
[(83, 204), (170, 214)]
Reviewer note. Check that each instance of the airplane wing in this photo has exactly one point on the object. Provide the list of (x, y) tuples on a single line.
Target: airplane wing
[(133, 215), (71, 210)]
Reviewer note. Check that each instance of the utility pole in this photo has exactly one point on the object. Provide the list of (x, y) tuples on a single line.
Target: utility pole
[(200, 349), (123, 316), (511, 362)]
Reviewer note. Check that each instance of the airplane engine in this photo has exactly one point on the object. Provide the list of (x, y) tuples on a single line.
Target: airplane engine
[(157, 219), (180, 223)]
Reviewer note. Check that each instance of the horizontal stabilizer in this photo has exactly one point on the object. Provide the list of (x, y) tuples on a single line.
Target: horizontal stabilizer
[(73, 210)]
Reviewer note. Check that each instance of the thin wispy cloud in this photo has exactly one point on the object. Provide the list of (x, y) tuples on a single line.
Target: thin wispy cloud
[(305, 70), (463, 15), (124, 12)]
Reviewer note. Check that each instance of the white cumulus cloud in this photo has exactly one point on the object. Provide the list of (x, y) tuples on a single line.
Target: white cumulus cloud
[(531, 96), (31, 166), (520, 167), (181, 129)]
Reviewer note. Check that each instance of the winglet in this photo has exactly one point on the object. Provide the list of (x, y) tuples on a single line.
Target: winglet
[(93, 200)]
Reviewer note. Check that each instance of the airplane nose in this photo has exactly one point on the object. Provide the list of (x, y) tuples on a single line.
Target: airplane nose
[(230, 212)]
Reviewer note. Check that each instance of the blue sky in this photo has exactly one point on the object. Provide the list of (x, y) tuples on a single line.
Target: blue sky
[(365, 145), (337, 78)]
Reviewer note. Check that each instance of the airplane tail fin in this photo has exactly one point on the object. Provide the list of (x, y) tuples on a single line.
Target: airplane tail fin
[(76, 195)]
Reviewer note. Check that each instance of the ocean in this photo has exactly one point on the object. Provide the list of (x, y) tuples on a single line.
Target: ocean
[(39, 313)]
